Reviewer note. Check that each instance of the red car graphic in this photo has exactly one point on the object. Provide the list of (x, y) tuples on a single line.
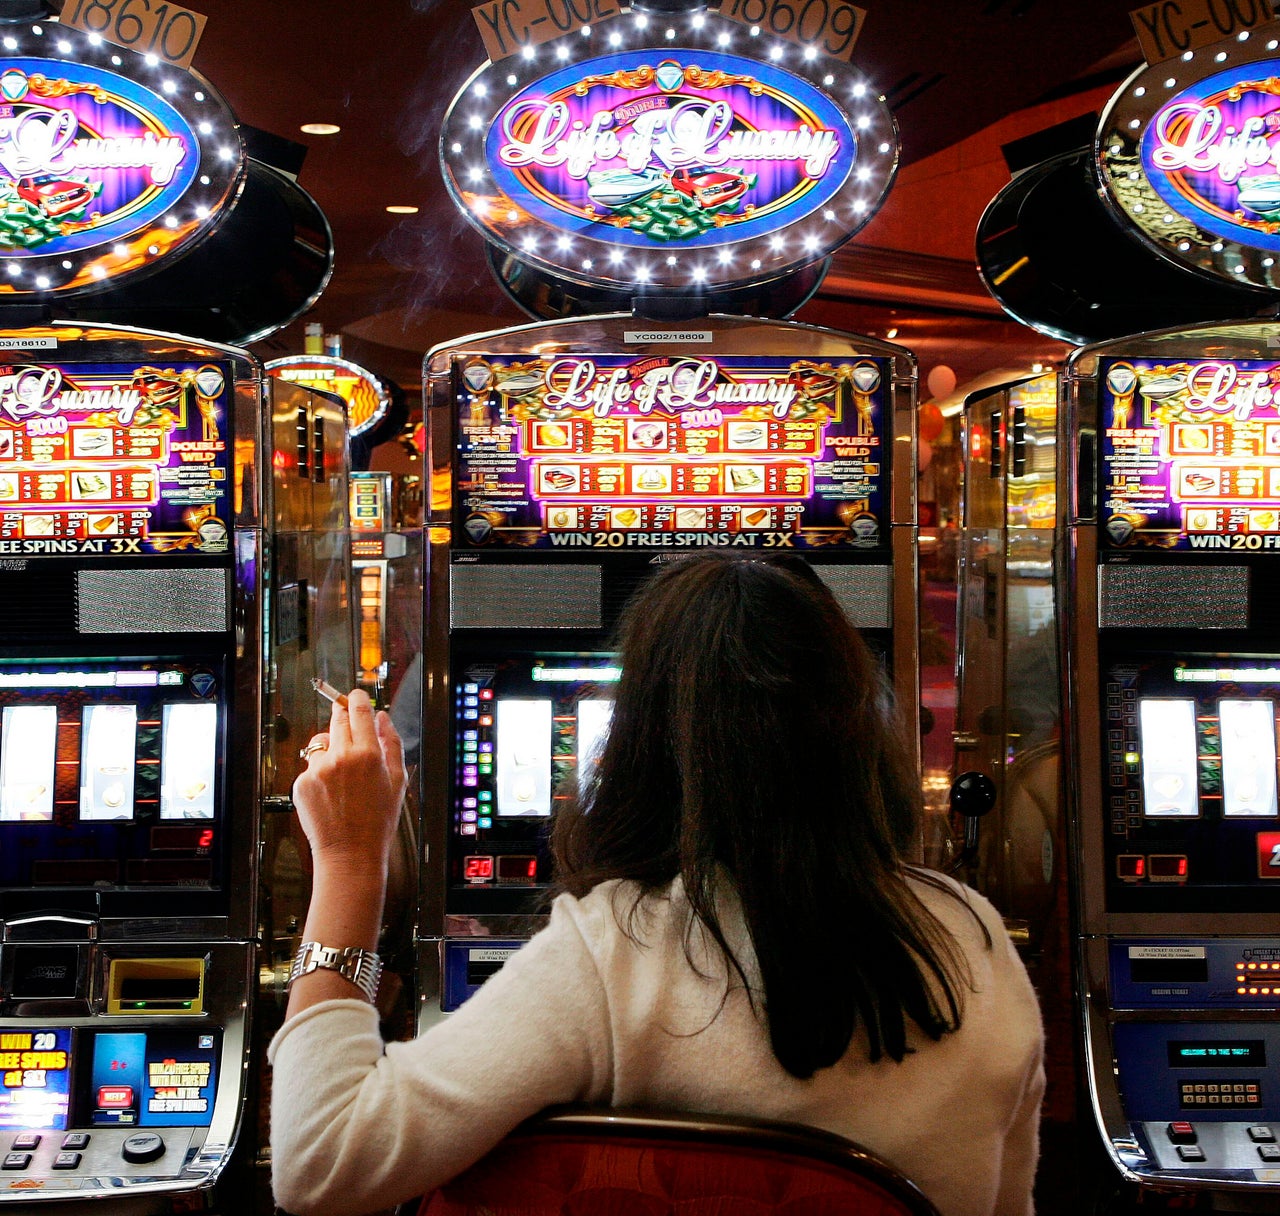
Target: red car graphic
[(709, 187), (54, 196)]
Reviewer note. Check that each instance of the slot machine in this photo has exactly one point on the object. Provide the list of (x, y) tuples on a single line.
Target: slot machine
[(386, 521), (1172, 501), (131, 675), (1008, 697), (308, 619), (1007, 711), (582, 455)]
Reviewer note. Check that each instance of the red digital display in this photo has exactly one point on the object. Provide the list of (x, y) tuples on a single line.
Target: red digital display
[(1131, 865), (1171, 867), (477, 869), (517, 870)]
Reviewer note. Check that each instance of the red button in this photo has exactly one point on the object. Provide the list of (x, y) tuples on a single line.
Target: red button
[(115, 1097), (1182, 1133), (1269, 854)]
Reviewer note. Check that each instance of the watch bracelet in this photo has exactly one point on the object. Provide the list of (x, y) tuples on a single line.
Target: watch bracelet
[(361, 967)]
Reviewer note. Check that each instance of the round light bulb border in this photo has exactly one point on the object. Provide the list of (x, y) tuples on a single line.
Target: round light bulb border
[(218, 178), (1176, 234)]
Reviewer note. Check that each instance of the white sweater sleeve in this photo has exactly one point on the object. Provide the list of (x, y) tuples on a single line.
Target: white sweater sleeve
[(357, 1126)]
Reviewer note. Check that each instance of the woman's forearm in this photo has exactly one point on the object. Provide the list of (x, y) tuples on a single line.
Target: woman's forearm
[(345, 910)]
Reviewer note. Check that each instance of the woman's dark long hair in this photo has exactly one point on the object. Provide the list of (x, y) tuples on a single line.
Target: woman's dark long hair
[(753, 734)]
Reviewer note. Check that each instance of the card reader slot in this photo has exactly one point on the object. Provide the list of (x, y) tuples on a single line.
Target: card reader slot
[(155, 985)]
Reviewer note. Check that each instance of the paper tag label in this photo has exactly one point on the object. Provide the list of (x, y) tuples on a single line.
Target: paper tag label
[(1166, 29), (150, 28), (1166, 952), (508, 25), (682, 337), (490, 956), (831, 28)]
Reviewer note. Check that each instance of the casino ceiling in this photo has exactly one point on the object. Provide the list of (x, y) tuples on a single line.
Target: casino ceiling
[(963, 79)]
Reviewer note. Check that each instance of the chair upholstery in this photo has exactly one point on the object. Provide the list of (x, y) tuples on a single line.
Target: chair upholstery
[(581, 1162)]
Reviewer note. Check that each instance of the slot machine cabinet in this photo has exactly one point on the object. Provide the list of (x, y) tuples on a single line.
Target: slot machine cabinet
[(386, 561), (1007, 711), (310, 633), (1008, 704), (580, 456), (1172, 495), (131, 674)]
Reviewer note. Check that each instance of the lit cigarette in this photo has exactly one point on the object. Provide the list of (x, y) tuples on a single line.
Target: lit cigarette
[(328, 692)]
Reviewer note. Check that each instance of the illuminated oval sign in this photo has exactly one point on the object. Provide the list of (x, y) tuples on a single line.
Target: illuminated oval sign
[(1189, 154), (368, 398), (107, 163), (691, 152)]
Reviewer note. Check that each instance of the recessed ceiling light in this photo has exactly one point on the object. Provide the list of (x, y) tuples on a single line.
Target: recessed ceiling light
[(320, 128), (402, 209)]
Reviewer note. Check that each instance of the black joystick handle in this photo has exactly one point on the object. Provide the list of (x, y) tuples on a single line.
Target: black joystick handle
[(973, 794)]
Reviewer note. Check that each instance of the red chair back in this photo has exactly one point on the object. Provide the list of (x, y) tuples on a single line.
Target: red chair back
[(574, 1162)]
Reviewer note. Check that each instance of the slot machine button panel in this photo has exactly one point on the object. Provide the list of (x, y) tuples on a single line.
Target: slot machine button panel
[(66, 1161), (76, 1140), (1191, 1152), (1180, 1132), (16, 1161), (1260, 1133), (25, 1140)]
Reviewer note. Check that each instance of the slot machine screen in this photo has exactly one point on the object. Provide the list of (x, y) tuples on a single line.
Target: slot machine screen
[(1188, 454), (102, 764), (1192, 782), (35, 1079), (623, 452), (57, 1078), (528, 730)]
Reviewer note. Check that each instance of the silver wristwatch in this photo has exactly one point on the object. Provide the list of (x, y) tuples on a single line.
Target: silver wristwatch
[(362, 967)]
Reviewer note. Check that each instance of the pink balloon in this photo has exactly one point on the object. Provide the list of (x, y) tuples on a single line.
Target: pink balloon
[(941, 381)]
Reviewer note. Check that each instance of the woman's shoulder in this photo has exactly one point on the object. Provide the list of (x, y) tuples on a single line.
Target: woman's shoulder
[(960, 908), (620, 909)]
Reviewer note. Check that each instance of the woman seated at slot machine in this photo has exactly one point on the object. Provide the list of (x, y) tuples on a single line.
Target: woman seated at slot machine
[(737, 931)]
